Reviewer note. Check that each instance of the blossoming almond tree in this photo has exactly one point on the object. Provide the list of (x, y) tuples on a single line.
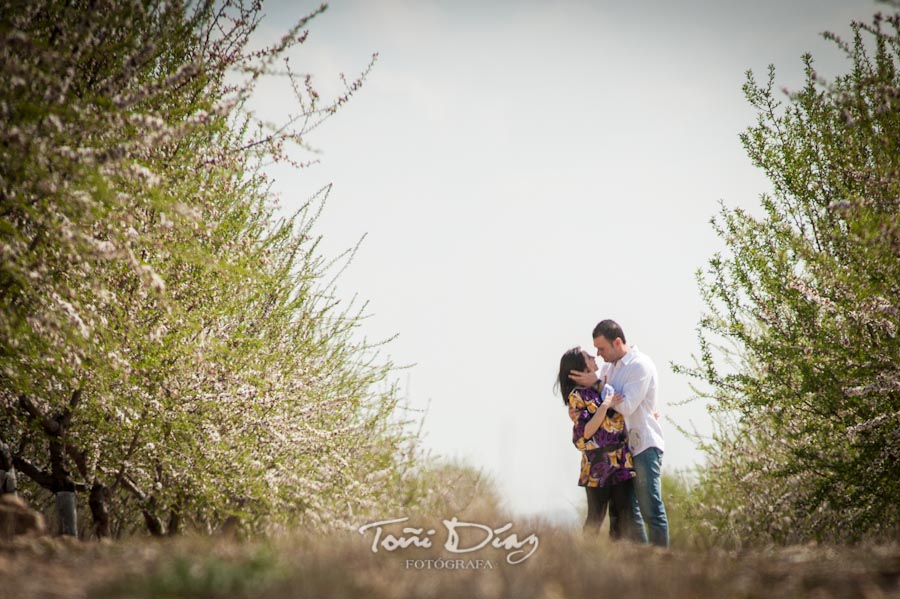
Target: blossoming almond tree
[(170, 349), (805, 308)]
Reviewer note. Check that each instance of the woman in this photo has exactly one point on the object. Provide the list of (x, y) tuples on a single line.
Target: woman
[(599, 432)]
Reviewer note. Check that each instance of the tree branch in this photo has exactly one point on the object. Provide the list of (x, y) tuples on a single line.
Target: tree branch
[(42, 478), (66, 415), (147, 503), (50, 426)]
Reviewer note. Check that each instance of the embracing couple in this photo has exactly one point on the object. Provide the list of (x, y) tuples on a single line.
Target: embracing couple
[(617, 430)]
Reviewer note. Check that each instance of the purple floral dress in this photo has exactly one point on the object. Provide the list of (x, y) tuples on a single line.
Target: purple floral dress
[(605, 458)]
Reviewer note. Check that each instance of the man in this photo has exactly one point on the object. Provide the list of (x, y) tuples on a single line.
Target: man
[(633, 376)]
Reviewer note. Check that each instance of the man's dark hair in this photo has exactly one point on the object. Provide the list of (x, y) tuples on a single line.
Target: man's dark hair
[(609, 329)]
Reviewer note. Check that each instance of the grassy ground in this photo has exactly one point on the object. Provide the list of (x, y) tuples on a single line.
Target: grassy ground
[(344, 566)]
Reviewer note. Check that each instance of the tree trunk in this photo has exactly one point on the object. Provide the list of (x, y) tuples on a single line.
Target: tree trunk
[(154, 524), (99, 510), (58, 480), (8, 483), (65, 511), (174, 522)]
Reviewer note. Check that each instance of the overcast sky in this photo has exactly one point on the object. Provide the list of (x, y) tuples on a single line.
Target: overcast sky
[(523, 170)]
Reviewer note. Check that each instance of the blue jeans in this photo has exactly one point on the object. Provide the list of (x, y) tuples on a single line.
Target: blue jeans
[(648, 495)]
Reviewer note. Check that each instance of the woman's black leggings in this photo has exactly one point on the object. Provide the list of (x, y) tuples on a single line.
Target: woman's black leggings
[(618, 499)]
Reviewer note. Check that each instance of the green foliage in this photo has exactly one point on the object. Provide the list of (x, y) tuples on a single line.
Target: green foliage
[(800, 349), (246, 572), (678, 495), (170, 347)]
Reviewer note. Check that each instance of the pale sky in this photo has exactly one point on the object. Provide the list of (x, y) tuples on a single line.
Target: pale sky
[(523, 170)]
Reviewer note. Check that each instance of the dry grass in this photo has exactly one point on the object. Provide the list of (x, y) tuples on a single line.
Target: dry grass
[(343, 566)]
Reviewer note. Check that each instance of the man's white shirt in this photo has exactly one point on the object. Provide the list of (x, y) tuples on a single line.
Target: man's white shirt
[(634, 377)]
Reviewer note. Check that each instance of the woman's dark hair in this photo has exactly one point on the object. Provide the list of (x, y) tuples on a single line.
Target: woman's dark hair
[(573, 359)]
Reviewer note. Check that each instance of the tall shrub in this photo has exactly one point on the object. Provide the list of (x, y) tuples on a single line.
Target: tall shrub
[(170, 348), (799, 348)]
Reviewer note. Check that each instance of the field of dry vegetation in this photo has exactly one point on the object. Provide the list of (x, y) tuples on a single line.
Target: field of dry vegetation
[(343, 566)]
